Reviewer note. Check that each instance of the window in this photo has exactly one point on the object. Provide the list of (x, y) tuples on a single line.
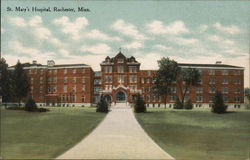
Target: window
[(83, 87), (172, 98), (83, 99), (83, 70), (142, 80), (211, 80), (83, 79), (199, 90), (120, 78), (212, 72), (120, 60), (186, 98), (97, 89), (133, 78), (187, 90), (108, 87), (224, 90), (133, 87), (212, 90), (237, 90), (74, 88), (65, 71), (200, 71), (172, 90), (237, 81), (65, 80), (55, 71), (225, 98), (224, 72), (211, 98), (65, 88), (31, 80), (225, 81), (120, 69), (50, 79), (54, 88), (200, 81), (97, 81), (132, 69), (237, 72), (237, 99), (108, 69), (50, 71), (148, 80), (74, 71), (199, 98), (73, 98), (108, 78), (74, 79)]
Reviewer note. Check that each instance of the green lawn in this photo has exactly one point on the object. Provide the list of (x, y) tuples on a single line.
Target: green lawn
[(199, 134), (44, 135)]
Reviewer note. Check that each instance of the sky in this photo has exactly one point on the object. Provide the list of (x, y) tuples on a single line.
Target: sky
[(186, 31)]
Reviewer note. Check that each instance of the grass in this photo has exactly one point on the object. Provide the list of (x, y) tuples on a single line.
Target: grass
[(199, 134), (44, 135)]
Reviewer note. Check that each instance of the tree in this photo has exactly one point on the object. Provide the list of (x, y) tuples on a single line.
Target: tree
[(178, 104), (6, 90), (247, 95), (218, 104), (188, 105), (165, 77), (20, 83), (190, 77), (30, 105), (102, 105), (139, 104)]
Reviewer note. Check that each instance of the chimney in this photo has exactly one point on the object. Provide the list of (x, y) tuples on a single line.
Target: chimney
[(34, 62), (218, 62), (50, 63)]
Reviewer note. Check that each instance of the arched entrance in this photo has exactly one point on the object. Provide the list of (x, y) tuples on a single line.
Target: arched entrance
[(120, 96)]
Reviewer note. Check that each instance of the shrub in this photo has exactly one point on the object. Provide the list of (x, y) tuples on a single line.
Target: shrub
[(218, 104), (42, 110), (30, 105), (139, 104), (188, 105), (178, 104), (102, 105)]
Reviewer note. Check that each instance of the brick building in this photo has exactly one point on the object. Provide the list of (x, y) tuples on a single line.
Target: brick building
[(121, 78)]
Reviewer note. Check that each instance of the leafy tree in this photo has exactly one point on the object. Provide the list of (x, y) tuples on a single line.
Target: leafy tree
[(6, 90), (20, 82), (102, 105), (247, 93), (139, 104), (30, 105), (178, 104), (165, 77), (218, 104), (190, 77), (188, 105)]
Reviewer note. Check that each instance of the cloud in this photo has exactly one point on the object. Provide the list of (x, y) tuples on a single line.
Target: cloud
[(35, 21), (72, 28), (42, 32), (184, 41), (232, 29), (56, 42), (100, 48), (162, 47), (128, 29), (158, 28), (18, 21), (133, 45), (98, 35), (220, 41), (203, 28)]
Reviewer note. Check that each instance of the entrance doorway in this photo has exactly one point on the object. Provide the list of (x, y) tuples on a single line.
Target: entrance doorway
[(120, 96)]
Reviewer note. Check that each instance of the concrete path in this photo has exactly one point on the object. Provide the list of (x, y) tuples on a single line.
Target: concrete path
[(118, 136)]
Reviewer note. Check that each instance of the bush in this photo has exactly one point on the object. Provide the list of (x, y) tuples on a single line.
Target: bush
[(42, 110), (218, 104), (188, 105), (30, 105), (139, 104), (102, 105), (178, 104)]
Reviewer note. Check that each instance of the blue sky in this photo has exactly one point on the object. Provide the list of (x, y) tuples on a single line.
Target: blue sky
[(187, 31)]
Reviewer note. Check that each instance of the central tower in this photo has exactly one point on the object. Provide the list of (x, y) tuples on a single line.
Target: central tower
[(120, 78)]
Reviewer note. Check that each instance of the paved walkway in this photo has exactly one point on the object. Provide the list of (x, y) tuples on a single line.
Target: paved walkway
[(118, 136)]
